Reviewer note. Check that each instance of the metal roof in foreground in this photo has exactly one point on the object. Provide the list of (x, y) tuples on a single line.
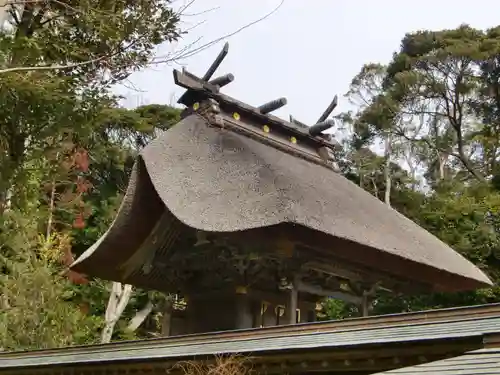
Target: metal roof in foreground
[(440, 325), (478, 362)]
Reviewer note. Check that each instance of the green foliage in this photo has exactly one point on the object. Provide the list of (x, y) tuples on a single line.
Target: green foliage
[(336, 309), (438, 101), (63, 313), (50, 120), (35, 311), (95, 37)]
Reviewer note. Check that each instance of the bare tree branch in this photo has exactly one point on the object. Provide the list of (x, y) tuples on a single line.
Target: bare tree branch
[(169, 59), (184, 53), (52, 67)]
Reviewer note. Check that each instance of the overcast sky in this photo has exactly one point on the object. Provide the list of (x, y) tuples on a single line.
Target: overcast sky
[(307, 51)]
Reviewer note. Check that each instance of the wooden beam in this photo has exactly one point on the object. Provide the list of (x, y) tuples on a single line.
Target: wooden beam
[(329, 109), (222, 81), (218, 60), (349, 269), (202, 90), (273, 105), (337, 294), (334, 269), (492, 340), (320, 127), (190, 81)]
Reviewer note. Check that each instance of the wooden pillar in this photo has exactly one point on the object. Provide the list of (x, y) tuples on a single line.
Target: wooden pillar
[(311, 315), (167, 318), (256, 307), (292, 305), (366, 301), (364, 306), (190, 316), (367, 295), (244, 318), (268, 314)]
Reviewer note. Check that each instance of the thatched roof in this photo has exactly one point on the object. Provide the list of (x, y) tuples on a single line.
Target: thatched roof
[(237, 173), (215, 180)]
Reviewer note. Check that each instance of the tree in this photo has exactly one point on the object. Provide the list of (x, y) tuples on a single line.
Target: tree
[(368, 125), (438, 100), (435, 77), (101, 42), (56, 180), (98, 44), (119, 134)]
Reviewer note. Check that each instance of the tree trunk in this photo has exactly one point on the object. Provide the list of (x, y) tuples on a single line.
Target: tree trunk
[(375, 188), (409, 157), (5, 201), (7, 175), (140, 316), (387, 169), (441, 167), (442, 159), (118, 300), (51, 209)]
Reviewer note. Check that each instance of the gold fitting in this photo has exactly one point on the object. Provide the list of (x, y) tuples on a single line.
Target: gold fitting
[(263, 307), (241, 290)]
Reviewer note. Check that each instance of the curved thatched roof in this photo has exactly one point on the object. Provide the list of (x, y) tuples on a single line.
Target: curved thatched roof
[(219, 181)]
